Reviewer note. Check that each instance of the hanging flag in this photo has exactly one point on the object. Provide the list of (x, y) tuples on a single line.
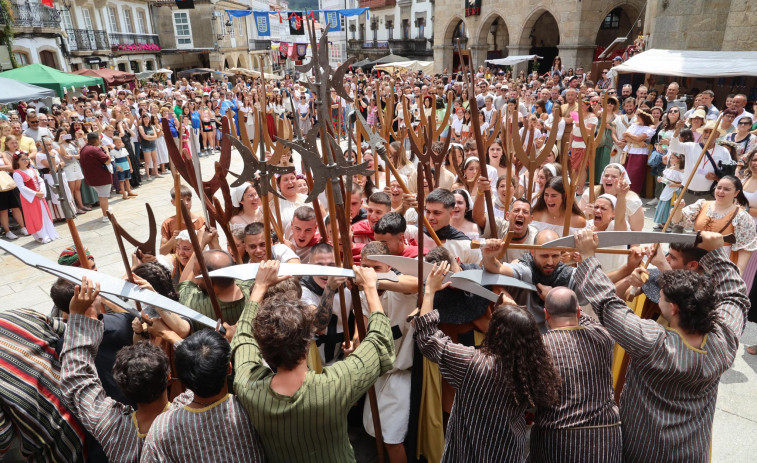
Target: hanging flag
[(296, 26), (293, 51), (48, 3), (302, 51), (263, 24), (311, 15), (283, 51), (333, 20)]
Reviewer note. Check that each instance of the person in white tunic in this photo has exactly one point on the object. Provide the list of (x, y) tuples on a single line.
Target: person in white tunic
[(393, 387)]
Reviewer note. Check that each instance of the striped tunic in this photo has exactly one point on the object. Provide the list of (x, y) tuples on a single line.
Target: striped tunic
[(310, 425), (220, 432), (485, 425), (196, 299), (31, 403), (109, 421), (585, 426), (668, 402)]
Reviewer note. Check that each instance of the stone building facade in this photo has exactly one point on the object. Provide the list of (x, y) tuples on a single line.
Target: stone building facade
[(726, 25), (571, 29)]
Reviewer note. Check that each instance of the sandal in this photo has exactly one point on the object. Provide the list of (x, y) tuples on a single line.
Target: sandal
[(86, 208), (125, 197), (657, 228), (752, 350), (131, 193), (81, 211)]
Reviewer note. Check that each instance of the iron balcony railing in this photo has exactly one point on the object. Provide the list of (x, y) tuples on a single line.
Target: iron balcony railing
[(133, 39), (85, 39), (32, 15)]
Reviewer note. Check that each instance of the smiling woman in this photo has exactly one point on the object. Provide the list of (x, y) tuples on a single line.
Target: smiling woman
[(549, 212)]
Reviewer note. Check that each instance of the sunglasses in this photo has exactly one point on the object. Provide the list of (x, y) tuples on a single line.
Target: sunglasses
[(745, 123)]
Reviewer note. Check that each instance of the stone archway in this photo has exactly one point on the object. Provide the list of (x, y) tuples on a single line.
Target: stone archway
[(493, 38), (617, 22), (541, 36), (456, 32), (228, 63)]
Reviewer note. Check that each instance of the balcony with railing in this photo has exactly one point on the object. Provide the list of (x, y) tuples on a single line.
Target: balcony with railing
[(85, 40), (31, 16), (134, 43)]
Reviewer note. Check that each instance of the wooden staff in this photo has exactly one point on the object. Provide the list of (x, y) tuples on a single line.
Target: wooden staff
[(507, 130), (341, 216), (476, 129), (201, 260), (177, 198)]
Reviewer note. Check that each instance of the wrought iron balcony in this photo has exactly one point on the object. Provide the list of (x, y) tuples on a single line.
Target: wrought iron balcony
[(136, 43), (85, 40), (32, 15)]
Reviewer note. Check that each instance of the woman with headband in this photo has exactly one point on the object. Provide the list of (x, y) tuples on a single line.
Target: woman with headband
[(612, 175)]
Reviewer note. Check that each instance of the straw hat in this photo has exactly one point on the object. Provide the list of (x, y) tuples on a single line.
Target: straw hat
[(710, 125), (698, 113)]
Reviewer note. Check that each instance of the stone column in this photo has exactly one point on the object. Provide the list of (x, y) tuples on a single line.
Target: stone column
[(478, 53), (443, 57), (577, 55)]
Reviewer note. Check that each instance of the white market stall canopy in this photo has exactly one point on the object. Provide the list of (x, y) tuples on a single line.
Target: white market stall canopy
[(687, 63), (15, 91), (511, 60), (413, 66)]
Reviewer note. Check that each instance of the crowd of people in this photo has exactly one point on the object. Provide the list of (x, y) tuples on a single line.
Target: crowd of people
[(279, 380)]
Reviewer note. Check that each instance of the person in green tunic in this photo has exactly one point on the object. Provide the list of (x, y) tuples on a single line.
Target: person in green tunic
[(604, 148), (301, 416)]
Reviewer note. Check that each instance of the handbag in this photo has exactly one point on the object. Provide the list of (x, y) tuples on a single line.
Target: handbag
[(6, 182)]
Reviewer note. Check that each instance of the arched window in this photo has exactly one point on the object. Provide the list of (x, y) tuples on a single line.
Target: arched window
[(47, 58), (22, 58), (612, 20)]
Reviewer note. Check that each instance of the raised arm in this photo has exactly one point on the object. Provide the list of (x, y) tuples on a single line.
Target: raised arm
[(245, 352), (635, 335), (80, 385), (730, 290), (490, 249), (453, 359), (375, 354)]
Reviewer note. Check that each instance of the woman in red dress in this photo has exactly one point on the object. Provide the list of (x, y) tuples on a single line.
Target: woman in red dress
[(32, 188)]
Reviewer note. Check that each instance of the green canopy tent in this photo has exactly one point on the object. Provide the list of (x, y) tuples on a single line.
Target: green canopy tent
[(44, 76)]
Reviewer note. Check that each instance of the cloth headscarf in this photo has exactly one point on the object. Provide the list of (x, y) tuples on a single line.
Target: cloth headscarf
[(622, 170), (551, 168), (68, 257), (613, 200), (238, 193)]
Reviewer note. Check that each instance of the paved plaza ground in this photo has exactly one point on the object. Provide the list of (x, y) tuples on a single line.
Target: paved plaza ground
[(735, 427)]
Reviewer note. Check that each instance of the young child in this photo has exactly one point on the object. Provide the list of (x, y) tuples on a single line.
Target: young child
[(186, 126), (672, 177), (123, 167), (168, 229)]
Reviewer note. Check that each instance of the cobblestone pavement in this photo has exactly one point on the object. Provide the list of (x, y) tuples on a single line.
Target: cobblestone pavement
[(735, 427)]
